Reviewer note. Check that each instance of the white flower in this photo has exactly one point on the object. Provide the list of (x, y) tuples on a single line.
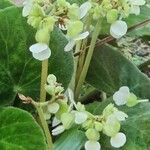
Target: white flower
[(120, 97), (120, 116), (135, 6), (72, 41), (53, 108), (84, 8), (55, 122), (27, 6), (58, 130), (80, 117), (40, 51), (92, 145), (118, 140), (118, 29)]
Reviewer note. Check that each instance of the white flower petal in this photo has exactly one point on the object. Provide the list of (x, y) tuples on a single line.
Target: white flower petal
[(69, 46), (80, 117), (118, 140), (58, 130), (135, 10), (42, 55), (121, 116), (125, 90), (120, 98), (84, 8), (55, 122), (27, 7), (92, 145), (38, 47), (53, 108), (81, 36), (118, 29)]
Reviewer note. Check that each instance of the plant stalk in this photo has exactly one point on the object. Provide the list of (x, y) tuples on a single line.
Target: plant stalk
[(44, 126), (44, 74), (88, 58)]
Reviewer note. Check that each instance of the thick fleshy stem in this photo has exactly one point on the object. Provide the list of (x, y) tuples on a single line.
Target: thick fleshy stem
[(88, 58), (44, 73)]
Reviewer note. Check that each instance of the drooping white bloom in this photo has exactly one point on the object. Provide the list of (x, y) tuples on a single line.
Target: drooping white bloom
[(84, 8), (92, 145), (58, 130), (27, 6), (118, 29), (135, 6), (40, 51), (120, 97), (118, 140), (72, 41), (53, 108), (80, 117)]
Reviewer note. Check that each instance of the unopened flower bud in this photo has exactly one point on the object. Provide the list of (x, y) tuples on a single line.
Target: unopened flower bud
[(98, 126), (92, 134)]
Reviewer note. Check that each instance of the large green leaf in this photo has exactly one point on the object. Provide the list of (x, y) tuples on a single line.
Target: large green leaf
[(19, 72), (19, 131), (109, 70), (4, 4), (72, 139), (136, 127)]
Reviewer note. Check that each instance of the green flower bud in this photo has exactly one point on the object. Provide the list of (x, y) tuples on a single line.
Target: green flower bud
[(37, 11), (111, 127), (73, 12), (48, 23), (63, 108), (51, 79), (34, 21), (67, 120), (87, 124), (80, 107), (131, 100), (50, 89), (98, 126), (74, 28), (96, 12), (92, 134), (42, 36), (112, 16), (62, 3), (59, 89), (108, 110)]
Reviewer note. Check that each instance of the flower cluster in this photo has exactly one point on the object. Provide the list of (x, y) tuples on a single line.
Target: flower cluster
[(66, 113), (115, 11), (43, 15)]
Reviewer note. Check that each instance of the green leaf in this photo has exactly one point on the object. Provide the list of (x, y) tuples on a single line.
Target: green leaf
[(19, 71), (136, 127), (72, 139), (133, 20), (109, 70), (4, 4), (19, 131)]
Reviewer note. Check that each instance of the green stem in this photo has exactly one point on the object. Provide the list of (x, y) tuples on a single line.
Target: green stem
[(88, 58), (44, 126), (44, 74)]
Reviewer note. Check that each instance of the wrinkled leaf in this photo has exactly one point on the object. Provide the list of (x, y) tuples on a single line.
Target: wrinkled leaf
[(19, 131), (109, 70), (19, 72), (72, 139)]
